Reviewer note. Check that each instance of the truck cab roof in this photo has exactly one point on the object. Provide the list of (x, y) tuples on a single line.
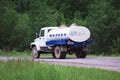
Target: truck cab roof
[(48, 28)]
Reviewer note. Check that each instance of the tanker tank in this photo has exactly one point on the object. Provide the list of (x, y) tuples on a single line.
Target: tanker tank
[(74, 33)]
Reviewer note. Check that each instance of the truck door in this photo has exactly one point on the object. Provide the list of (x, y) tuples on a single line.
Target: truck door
[(42, 38)]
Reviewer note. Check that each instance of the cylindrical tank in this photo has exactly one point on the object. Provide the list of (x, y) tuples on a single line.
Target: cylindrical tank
[(74, 33)]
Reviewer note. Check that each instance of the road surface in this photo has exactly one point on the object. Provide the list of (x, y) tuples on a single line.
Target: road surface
[(107, 63)]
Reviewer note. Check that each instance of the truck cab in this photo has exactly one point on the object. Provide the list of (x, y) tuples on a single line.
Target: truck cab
[(39, 43)]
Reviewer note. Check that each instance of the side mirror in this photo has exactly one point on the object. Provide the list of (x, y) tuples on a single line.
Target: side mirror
[(36, 35)]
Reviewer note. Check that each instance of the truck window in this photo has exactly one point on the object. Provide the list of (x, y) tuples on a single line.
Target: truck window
[(42, 33)]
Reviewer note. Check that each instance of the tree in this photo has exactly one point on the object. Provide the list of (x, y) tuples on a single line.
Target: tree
[(102, 20), (26, 17), (13, 26), (7, 24)]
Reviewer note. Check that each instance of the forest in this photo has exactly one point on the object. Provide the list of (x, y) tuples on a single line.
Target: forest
[(21, 19)]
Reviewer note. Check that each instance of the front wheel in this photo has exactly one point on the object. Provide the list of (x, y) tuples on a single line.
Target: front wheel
[(81, 54), (35, 53), (58, 53)]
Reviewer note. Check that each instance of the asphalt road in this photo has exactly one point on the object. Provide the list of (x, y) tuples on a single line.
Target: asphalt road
[(107, 63)]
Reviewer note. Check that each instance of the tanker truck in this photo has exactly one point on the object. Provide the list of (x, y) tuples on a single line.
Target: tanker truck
[(62, 40)]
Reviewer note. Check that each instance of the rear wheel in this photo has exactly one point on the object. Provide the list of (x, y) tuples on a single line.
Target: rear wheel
[(81, 54), (35, 53), (58, 53)]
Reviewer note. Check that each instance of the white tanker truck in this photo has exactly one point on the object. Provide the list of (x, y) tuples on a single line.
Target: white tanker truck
[(61, 41)]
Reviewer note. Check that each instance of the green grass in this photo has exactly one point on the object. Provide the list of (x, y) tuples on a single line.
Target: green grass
[(30, 70), (15, 53), (29, 54), (26, 54)]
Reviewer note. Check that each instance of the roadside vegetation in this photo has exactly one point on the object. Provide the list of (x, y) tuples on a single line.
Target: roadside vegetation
[(15, 53), (30, 70), (29, 54)]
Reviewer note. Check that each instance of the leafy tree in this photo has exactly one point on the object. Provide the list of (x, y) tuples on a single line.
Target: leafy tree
[(13, 26), (42, 15), (23, 32), (7, 24), (21, 19), (102, 22)]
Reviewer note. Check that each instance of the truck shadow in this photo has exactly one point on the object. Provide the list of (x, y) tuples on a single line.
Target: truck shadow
[(65, 58)]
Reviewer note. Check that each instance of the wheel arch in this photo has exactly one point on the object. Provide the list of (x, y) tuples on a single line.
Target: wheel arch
[(33, 44)]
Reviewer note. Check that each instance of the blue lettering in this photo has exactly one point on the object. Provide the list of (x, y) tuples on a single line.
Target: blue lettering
[(74, 33), (50, 35), (81, 33), (64, 34)]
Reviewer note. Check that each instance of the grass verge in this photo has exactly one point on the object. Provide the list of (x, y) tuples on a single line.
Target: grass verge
[(15, 53), (28, 53), (30, 70)]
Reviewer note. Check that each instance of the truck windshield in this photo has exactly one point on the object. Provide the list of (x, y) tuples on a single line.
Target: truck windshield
[(42, 33)]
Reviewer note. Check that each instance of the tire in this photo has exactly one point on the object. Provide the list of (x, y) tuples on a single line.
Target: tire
[(58, 53), (81, 54), (35, 53)]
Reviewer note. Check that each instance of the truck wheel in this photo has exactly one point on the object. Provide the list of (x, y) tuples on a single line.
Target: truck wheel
[(58, 53), (35, 53), (81, 54)]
